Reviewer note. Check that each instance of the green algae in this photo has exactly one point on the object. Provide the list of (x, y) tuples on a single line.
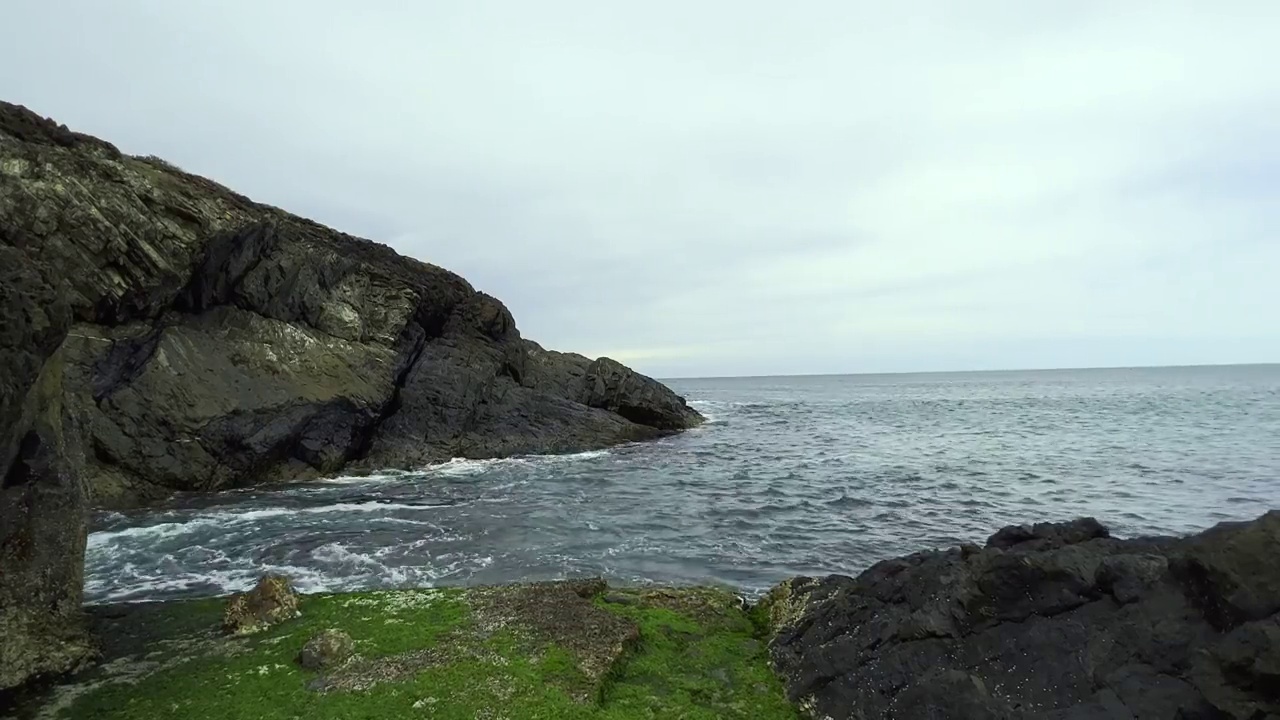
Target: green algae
[(515, 652)]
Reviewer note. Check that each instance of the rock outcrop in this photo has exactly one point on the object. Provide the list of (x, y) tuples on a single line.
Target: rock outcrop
[(161, 332), (1050, 621), (216, 342)]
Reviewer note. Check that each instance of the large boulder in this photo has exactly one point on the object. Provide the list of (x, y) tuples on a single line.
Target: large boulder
[(1053, 621)]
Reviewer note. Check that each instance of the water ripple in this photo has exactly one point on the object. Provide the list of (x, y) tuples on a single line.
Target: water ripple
[(790, 476)]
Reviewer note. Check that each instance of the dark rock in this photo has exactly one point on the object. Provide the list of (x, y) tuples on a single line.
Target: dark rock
[(188, 338), (1049, 534), (327, 649), (43, 509), (222, 343), (270, 602), (1053, 621)]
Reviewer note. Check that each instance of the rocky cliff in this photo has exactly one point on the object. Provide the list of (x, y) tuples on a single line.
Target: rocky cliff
[(161, 332), (1048, 621)]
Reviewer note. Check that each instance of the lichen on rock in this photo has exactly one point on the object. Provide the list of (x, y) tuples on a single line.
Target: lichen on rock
[(272, 601), (326, 649)]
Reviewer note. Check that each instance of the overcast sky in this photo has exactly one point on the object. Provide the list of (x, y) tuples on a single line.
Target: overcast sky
[(746, 187)]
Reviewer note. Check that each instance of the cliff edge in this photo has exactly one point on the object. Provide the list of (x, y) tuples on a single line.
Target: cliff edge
[(161, 332)]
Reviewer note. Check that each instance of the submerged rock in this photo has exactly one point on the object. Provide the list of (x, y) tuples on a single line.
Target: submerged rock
[(326, 649), (1055, 621), (271, 602)]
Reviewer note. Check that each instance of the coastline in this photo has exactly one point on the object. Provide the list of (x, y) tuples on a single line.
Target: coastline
[(1053, 620)]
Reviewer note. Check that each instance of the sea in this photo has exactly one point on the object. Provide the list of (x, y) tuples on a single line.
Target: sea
[(789, 476)]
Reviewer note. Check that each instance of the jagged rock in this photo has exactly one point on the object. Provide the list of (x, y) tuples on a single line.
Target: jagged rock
[(270, 602), (1049, 534), (1056, 621), (204, 341), (219, 343), (326, 649)]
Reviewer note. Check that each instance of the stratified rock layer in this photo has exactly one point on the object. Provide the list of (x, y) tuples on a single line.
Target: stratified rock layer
[(160, 332), (1050, 621)]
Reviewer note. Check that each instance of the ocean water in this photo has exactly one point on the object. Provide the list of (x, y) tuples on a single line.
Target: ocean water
[(791, 475)]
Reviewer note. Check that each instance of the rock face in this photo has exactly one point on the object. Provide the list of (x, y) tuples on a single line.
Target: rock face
[(1051, 621), (216, 342), (161, 332)]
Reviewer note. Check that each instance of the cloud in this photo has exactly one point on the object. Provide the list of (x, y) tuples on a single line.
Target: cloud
[(739, 188)]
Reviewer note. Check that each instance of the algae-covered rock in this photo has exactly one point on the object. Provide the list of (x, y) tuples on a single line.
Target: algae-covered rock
[(327, 648), (783, 604), (272, 601), (541, 650)]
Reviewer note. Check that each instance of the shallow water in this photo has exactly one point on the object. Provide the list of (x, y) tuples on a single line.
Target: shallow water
[(791, 476)]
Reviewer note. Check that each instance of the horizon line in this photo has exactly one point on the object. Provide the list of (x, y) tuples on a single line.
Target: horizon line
[(960, 372)]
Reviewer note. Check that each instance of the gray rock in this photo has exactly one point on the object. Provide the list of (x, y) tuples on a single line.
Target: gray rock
[(326, 649), (1056, 621)]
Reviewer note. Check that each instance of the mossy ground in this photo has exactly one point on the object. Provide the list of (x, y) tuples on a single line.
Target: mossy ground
[(521, 651)]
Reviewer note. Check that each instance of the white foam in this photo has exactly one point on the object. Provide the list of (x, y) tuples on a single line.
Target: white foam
[(160, 531), (464, 467), (378, 477), (151, 533)]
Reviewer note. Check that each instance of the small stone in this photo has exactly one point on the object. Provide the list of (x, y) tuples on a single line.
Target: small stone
[(621, 599), (327, 648), (272, 601)]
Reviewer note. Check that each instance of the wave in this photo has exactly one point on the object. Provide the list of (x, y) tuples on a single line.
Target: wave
[(334, 567), (464, 467), (160, 531)]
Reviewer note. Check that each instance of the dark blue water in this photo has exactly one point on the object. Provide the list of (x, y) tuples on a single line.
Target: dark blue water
[(791, 476)]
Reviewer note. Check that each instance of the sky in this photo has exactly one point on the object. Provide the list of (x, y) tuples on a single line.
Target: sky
[(739, 188)]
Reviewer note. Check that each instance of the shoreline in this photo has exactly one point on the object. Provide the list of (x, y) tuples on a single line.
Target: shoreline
[(1052, 620)]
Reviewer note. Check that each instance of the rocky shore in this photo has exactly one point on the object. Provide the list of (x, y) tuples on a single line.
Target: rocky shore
[(1047, 621), (160, 332)]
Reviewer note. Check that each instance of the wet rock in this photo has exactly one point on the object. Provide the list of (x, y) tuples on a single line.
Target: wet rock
[(272, 601), (327, 649), (1052, 621)]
